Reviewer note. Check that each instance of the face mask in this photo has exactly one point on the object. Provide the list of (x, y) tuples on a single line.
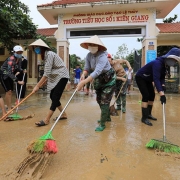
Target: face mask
[(93, 49), (170, 62), (37, 50), (18, 56)]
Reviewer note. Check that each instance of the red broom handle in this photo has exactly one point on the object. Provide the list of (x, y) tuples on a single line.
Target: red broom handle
[(20, 103)]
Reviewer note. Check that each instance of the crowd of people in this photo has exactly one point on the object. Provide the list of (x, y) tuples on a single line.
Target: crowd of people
[(106, 75)]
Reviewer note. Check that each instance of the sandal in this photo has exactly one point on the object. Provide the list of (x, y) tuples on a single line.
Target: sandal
[(40, 123), (61, 118)]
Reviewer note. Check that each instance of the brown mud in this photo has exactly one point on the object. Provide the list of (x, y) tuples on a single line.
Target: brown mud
[(117, 153)]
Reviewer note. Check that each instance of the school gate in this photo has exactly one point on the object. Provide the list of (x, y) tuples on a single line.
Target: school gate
[(113, 18)]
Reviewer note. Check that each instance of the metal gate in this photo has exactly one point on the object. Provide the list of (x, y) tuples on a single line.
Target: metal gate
[(172, 80), (137, 66)]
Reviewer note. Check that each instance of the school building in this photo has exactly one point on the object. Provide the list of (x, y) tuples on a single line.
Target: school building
[(105, 18)]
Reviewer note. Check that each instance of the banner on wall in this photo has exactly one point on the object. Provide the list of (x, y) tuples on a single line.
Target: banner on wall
[(150, 55), (111, 16)]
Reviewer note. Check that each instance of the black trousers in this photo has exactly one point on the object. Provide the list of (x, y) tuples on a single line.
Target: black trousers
[(146, 88), (56, 93)]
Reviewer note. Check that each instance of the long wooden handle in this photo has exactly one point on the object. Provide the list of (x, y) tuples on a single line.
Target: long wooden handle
[(19, 103)]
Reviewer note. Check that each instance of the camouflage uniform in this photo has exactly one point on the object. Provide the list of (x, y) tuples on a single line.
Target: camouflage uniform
[(105, 87), (121, 100), (120, 73)]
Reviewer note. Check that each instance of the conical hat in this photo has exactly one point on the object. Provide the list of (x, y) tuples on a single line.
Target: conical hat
[(93, 40), (39, 42)]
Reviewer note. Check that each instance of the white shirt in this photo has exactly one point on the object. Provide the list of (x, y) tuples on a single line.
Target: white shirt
[(129, 73)]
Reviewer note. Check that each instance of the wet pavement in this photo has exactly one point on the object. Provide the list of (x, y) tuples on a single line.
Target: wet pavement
[(117, 153)]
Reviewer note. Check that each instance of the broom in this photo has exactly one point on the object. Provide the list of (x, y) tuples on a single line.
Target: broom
[(46, 143), (16, 116), (3, 117), (163, 145), (113, 111)]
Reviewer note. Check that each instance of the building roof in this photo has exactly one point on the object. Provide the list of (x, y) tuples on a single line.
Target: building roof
[(168, 27), (47, 31), (163, 28), (62, 2)]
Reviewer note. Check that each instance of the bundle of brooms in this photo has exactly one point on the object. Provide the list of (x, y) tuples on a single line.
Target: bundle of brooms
[(40, 154), (163, 145)]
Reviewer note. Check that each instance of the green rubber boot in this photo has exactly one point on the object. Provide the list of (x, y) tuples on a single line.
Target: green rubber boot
[(105, 114), (108, 120)]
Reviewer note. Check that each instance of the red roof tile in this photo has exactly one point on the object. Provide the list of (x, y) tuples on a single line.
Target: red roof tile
[(60, 2), (47, 31), (163, 27), (169, 27)]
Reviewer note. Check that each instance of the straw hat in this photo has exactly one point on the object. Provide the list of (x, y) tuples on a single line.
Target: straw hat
[(39, 42), (93, 40)]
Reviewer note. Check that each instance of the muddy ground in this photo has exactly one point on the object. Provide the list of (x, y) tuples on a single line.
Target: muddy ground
[(117, 153)]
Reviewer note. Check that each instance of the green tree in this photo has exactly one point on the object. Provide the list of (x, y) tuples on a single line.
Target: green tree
[(170, 19), (122, 52), (130, 58), (74, 60), (15, 23)]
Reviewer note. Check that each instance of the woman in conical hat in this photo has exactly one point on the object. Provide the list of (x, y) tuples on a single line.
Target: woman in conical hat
[(56, 75), (154, 71), (103, 76)]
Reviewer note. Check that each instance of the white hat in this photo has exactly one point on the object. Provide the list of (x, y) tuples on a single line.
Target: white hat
[(17, 48), (39, 42), (93, 40)]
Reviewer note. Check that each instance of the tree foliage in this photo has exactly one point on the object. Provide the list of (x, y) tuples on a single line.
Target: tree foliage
[(170, 19), (122, 52), (74, 61), (15, 23)]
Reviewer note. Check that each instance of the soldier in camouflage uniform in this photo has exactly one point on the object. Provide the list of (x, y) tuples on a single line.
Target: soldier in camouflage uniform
[(103, 76), (121, 80)]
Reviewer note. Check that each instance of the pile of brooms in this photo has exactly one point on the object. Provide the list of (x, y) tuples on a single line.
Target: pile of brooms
[(40, 153)]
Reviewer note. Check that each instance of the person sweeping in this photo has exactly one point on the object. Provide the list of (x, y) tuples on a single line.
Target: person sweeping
[(101, 73), (10, 69), (121, 77), (56, 74), (155, 71)]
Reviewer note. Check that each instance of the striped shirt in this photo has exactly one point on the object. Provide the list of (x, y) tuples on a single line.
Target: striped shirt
[(54, 69), (98, 63)]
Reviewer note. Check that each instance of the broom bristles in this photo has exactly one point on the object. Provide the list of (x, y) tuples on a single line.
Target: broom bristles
[(163, 146), (51, 146), (45, 143)]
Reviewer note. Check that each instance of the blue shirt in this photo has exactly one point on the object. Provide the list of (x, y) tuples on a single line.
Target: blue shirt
[(154, 71), (77, 73)]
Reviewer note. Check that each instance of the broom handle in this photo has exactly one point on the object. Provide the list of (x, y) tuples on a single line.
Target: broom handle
[(19, 92), (16, 106), (20, 103), (62, 111), (120, 90), (164, 123)]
